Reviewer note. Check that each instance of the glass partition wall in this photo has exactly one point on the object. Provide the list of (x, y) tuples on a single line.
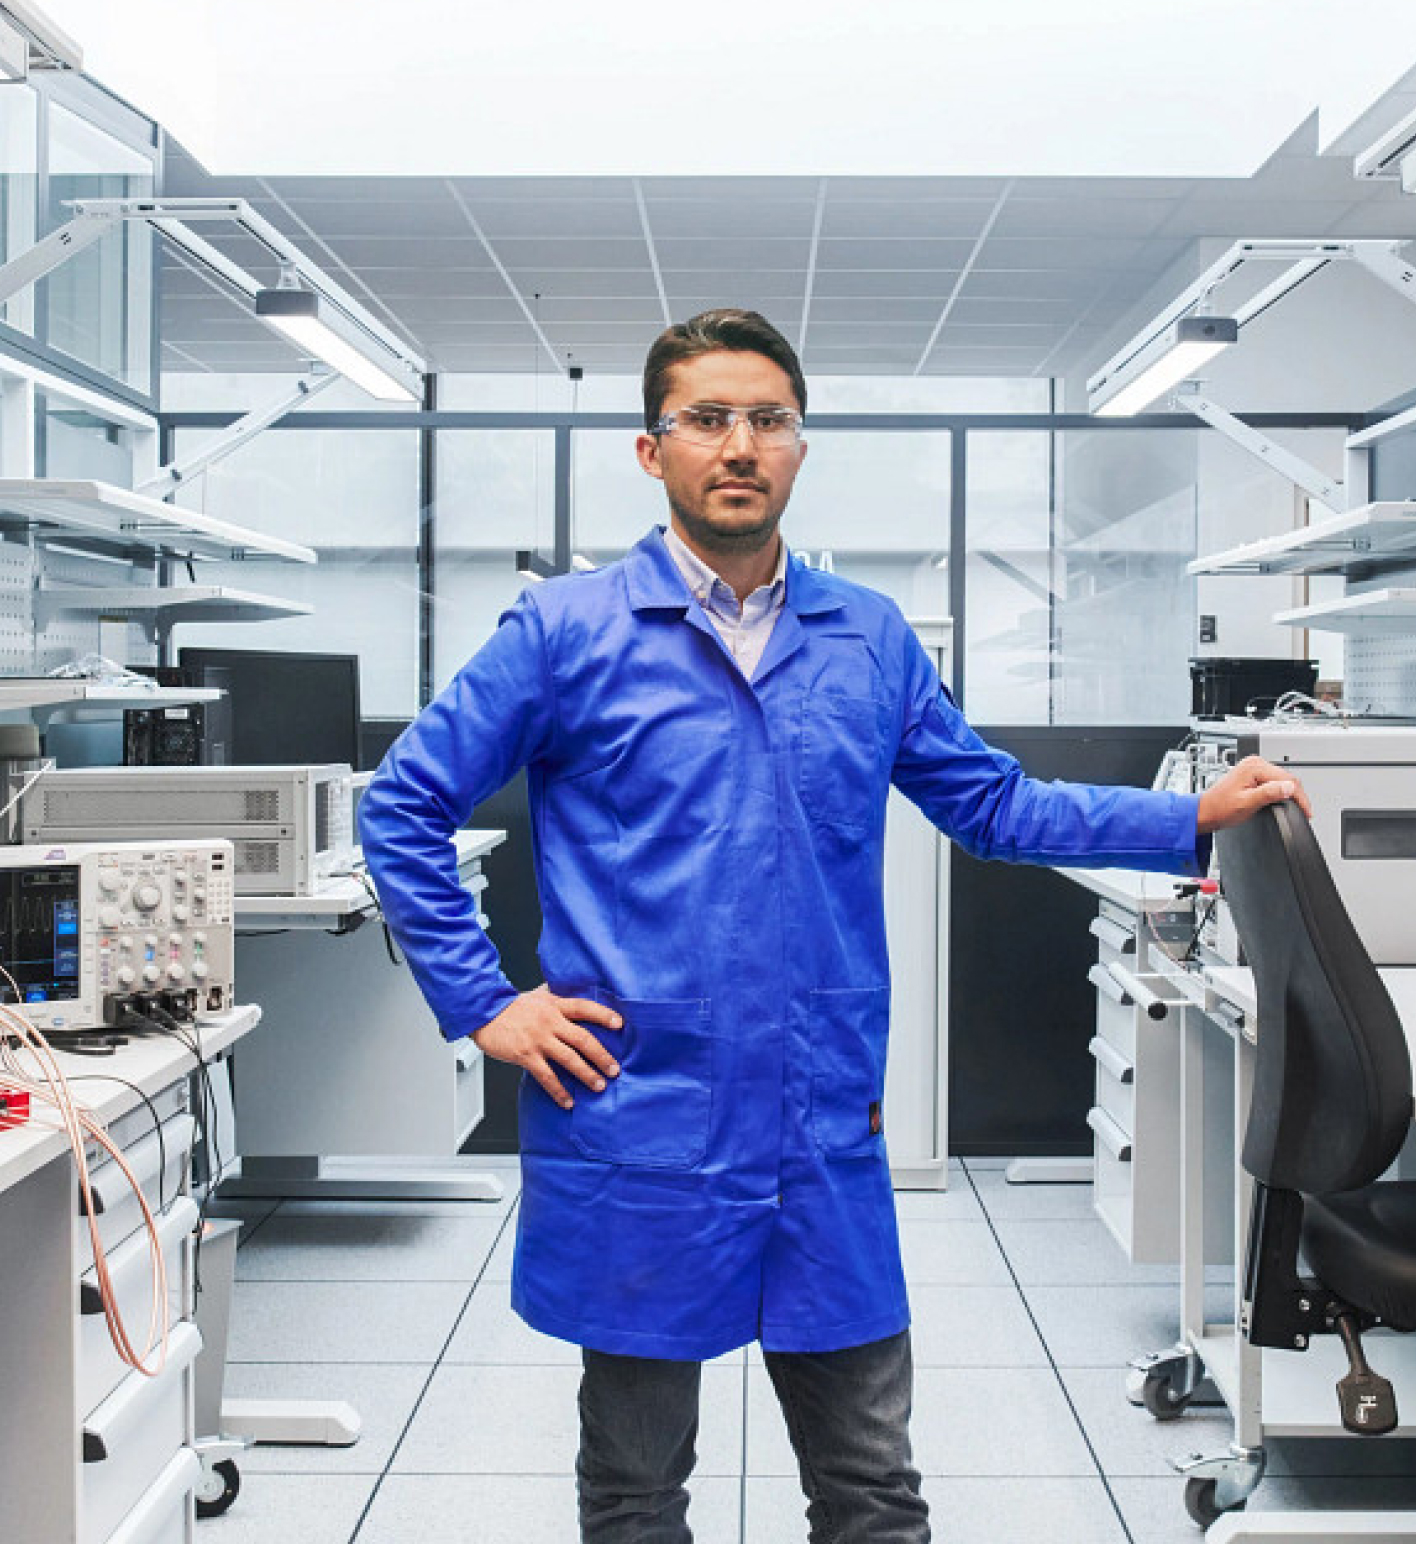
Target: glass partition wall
[(1059, 546)]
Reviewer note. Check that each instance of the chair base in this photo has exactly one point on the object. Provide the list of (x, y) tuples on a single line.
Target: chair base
[(1311, 1527)]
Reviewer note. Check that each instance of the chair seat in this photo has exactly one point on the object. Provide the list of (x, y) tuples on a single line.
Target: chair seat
[(1361, 1245)]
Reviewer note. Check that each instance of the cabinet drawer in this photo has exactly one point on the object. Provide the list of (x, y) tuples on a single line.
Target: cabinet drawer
[(159, 1163), (1113, 1197), (1115, 1085), (100, 1370), (161, 1516), (132, 1437)]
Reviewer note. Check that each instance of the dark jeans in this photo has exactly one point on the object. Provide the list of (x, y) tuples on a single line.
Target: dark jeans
[(847, 1414)]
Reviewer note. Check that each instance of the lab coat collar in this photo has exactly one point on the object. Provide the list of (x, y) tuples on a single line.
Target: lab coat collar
[(655, 583)]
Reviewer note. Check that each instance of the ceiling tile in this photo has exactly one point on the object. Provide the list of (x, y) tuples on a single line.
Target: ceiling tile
[(948, 218), (745, 255), (895, 254), (509, 219), (730, 220)]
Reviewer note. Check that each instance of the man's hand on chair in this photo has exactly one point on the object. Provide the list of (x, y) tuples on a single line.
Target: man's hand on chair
[(1246, 789)]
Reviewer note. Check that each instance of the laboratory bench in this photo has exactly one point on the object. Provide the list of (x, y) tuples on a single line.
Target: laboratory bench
[(91, 1451)]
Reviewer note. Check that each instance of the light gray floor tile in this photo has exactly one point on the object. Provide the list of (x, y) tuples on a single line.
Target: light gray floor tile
[(1032, 1202), (999, 1422), (972, 1327), (956, 1204), (383, 1395), (524, 1420), (1073, 1253), (320, 1321), (402, 1247), (1131, 1443), (277, 1508), (1108, 1326), (957, 1254), (499, 1266), (963, 1512), (967, 1422), (1154, 1510), (511, 1509), (491, 1331)]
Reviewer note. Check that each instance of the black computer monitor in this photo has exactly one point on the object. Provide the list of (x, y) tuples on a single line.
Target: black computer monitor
[(285, 708)]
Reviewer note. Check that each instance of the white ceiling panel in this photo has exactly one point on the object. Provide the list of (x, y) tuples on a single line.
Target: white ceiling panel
[(560, 219), (906, 217), (894, 253), (731, 219)]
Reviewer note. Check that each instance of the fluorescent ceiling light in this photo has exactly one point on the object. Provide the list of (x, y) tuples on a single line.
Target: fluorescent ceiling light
[(1014, 88), (320, 330), (1171, 357)]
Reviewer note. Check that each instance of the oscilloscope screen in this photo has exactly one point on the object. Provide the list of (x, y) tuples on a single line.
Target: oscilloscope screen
[(39, 933)]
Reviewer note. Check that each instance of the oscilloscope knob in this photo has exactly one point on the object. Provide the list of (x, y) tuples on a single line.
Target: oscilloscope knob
[(110, 916), (147, 897)]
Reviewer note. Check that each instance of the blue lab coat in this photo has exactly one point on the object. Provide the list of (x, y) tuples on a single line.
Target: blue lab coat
[(709, 853)]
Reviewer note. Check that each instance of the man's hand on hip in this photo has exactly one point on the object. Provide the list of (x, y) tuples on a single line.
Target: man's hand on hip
[(1246, 789), (540, 1032)]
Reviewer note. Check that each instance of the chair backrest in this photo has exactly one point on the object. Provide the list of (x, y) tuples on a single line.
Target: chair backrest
[(1332, 1086)]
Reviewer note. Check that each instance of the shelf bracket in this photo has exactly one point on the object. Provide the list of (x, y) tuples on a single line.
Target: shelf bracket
[(1328, 491), (219, 446)]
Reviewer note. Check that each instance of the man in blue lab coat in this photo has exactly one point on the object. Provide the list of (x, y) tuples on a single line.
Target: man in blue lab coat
[(710, 731)]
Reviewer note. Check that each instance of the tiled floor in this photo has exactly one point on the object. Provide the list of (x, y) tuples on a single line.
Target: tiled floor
[(1025, 1316)]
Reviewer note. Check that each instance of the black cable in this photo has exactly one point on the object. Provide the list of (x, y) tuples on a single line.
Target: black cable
[(394, 957)]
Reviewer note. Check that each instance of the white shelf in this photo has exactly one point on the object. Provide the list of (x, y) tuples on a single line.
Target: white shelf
[(22, 694), (162, 607), (1378, 611), (119, 520), (1372, 533)]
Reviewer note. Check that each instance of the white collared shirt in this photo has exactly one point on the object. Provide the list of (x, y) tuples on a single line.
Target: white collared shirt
[(745, 628)]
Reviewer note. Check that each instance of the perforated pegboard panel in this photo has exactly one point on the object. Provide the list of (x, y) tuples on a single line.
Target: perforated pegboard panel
[(1381, 675), (16, 611), (1380, 667), (71, 634)]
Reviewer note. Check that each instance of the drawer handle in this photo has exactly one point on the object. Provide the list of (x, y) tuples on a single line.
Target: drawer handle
[(144, 1158), (1110, 1135), (1106, 1055), (1101, 978), (1154, 1006), (134, 1397), (175, 1224), (467, 1052), (1112, 934)]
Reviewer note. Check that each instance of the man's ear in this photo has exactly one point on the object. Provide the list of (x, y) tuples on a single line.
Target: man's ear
[(646, 447)]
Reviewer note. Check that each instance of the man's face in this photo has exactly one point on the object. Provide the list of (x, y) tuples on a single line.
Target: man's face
[(726, 498)]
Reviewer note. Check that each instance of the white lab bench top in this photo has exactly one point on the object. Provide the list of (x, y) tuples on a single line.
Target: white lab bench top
[(1234, 984), (1130, 888), (342, 897), (151, 1063)]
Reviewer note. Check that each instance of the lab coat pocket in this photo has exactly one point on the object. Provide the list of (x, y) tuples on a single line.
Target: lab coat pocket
[(849, 1028), (843, 759), (656, 1113)]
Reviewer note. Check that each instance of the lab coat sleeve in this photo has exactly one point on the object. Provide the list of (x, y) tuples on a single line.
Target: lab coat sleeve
[(984, 801), (497, 715)]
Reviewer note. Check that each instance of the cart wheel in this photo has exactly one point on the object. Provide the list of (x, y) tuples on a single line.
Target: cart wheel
[(220, 1486), (1159, 1397), (1201, 1505)]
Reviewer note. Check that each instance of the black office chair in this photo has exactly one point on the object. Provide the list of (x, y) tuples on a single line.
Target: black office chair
[(1330, 1110)]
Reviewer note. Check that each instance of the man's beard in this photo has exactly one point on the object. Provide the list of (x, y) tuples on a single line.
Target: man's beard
[(743, 539)]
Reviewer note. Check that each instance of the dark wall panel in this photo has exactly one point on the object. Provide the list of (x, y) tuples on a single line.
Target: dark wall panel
[(1021, 1010)]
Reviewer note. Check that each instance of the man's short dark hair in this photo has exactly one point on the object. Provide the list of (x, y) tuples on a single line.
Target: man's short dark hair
[(742, 332)]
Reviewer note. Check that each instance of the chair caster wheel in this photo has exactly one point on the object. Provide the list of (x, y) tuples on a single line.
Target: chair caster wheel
[(219, 1487), (1201, 1504), (1162, 1399)]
